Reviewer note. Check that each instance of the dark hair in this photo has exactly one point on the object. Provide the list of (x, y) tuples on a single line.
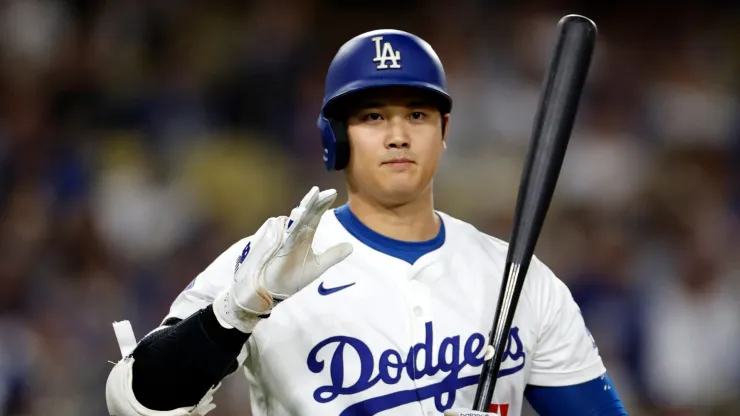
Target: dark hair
[(343, 106)]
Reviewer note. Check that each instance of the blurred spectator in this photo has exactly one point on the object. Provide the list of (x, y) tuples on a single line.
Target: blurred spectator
[(694, 314)]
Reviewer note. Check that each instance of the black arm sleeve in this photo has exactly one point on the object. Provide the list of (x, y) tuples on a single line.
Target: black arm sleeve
[(176, 366)]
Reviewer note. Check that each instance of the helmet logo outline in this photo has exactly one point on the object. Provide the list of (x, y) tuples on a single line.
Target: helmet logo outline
[(386, 53)]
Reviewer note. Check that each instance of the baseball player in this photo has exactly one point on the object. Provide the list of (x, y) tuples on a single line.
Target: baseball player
[(378, 307)]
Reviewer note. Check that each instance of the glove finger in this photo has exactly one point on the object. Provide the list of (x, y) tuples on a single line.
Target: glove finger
[(301, 212), (317, 205), (326, 198), (305, 202), (312, 212), (331, 257), (324, 201)]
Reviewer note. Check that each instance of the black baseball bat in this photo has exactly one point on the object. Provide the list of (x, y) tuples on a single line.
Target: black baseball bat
[(553, 124)]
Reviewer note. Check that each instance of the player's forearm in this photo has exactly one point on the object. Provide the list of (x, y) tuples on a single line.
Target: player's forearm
[(175, 367)]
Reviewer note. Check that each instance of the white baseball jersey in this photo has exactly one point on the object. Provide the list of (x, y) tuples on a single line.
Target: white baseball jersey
[(377, 334)]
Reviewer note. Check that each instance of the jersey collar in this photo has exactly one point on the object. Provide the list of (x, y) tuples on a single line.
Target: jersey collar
[(408, 251)]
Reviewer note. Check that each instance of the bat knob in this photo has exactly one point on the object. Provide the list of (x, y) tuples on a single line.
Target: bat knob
[(578, 20)]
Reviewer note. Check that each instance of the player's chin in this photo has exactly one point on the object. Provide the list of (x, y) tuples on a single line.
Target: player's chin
[(401, 177), (396, 174), (401, 188)]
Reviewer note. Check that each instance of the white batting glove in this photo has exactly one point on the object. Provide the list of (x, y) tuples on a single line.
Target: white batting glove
[(277, 262)]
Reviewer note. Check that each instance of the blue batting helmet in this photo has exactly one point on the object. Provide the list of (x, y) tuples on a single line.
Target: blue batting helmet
[(380, 58)]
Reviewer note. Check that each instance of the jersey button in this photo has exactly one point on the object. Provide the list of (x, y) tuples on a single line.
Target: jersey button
[(418, 311)]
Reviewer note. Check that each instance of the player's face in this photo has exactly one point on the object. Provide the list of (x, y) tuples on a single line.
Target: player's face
[(396, 141)]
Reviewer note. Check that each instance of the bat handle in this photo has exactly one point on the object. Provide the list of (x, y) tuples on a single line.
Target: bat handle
[(492, 365), (486, 385)]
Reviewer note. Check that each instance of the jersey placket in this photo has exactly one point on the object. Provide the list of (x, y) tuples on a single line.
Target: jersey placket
[(418, 298)]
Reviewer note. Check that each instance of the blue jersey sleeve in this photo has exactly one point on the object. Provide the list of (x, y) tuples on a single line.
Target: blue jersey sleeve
[(597, 397)]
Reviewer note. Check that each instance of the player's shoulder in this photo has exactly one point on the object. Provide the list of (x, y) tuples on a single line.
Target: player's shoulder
[(539, 273), (460, 231)]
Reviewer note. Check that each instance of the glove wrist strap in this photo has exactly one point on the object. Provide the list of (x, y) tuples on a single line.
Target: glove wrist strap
[(229, 311)]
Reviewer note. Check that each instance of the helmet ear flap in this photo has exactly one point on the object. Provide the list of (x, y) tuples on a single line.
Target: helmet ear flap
[(335, 143)]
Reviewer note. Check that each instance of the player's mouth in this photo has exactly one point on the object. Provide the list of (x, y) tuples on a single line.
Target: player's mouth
[(399, 162)]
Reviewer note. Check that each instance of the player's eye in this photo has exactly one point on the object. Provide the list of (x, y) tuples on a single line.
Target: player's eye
[(417, 115), (372, 117)]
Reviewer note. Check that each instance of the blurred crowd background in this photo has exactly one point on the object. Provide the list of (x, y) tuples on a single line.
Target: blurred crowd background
[(138, 139)]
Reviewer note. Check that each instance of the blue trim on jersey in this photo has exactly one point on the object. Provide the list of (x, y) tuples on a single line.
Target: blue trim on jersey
[(597, 397), (408, 251)]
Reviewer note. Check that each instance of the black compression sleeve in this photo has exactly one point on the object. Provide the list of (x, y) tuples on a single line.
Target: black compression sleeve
[(176, 366)]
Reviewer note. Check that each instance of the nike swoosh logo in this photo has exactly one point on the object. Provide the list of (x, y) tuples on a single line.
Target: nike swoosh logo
[(328, 291)]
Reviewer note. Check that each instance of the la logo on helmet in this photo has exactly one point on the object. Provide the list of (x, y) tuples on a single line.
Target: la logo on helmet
[(386, 53)]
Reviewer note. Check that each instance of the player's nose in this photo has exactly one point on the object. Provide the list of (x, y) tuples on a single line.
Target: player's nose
[(398, 136)]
